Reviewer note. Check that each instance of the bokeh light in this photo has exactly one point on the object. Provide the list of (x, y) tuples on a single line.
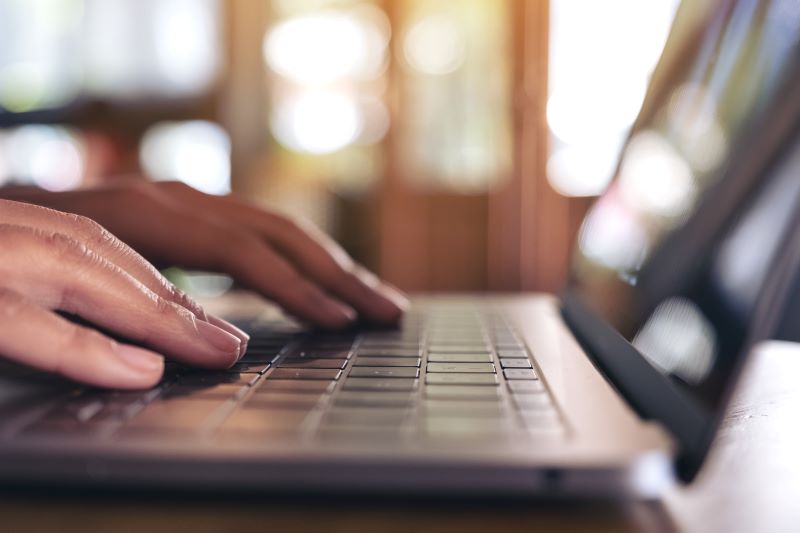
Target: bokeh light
[(172, 49), (376, 120), (194, 152), (317, 122), (613, 236), (325, 66), (435, 45), (50, 157), (38, 45), (323, 47), (655, 178), (695, 124), (597, 82), (184, 40), (583, 170)]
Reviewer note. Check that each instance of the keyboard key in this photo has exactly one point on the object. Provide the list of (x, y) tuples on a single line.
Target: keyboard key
[(512, 354), (320, 354), (292, 362), (514, 363), (124, 404), (408, 336), (526, 387), (476, 368), (248, 368), (264, 421), (462, 427), (285, 399), (459, 357), (373, 399), (256, 356), (460, 408), (384, 372), (365, 416), (321, 345), (519, 373), (215, 378), (304, 373), (178, 414), (387, 361), (265, 346), (380, 384), (411, 344), (79, 410), (375, 435), (330, 337), (462, 392), (295, 385), (220, 390), (461, 379), (268, 344), (389, 352), (478, 348)]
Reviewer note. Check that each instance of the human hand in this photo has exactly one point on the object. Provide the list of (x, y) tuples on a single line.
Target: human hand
[(52, 261), (286, 260)]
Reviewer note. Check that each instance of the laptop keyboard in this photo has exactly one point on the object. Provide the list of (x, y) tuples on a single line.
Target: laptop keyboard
[(451, 373)]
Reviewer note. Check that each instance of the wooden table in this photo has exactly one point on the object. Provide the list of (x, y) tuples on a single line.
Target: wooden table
[(751, 483)]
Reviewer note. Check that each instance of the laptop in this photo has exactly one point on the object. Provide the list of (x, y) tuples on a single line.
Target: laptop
[(616, 387)]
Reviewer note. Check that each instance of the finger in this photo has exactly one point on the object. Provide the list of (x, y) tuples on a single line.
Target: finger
[(209, 243), (312, 252), (258, 267), (104, 243), (243, 337), (39, 338), (316, 255), (100, 240), (60, 273)]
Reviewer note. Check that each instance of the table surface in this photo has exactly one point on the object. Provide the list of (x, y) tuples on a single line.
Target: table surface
[(751, 482)]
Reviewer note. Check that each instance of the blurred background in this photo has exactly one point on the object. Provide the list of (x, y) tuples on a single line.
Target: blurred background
[(447, 144)]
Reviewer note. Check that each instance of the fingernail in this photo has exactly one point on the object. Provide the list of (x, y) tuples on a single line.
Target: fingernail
[(344, 314), (140, 359), (233, 330), (219, 338), (395, 296)]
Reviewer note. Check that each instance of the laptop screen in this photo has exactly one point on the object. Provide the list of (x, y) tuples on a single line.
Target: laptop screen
[(686, 309)]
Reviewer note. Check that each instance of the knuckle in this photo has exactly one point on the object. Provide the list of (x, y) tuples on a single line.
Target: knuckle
[(165, 308), (235, 246), (66, 248), (185, 301), (79, 340), (91, 230), (85, 225)]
